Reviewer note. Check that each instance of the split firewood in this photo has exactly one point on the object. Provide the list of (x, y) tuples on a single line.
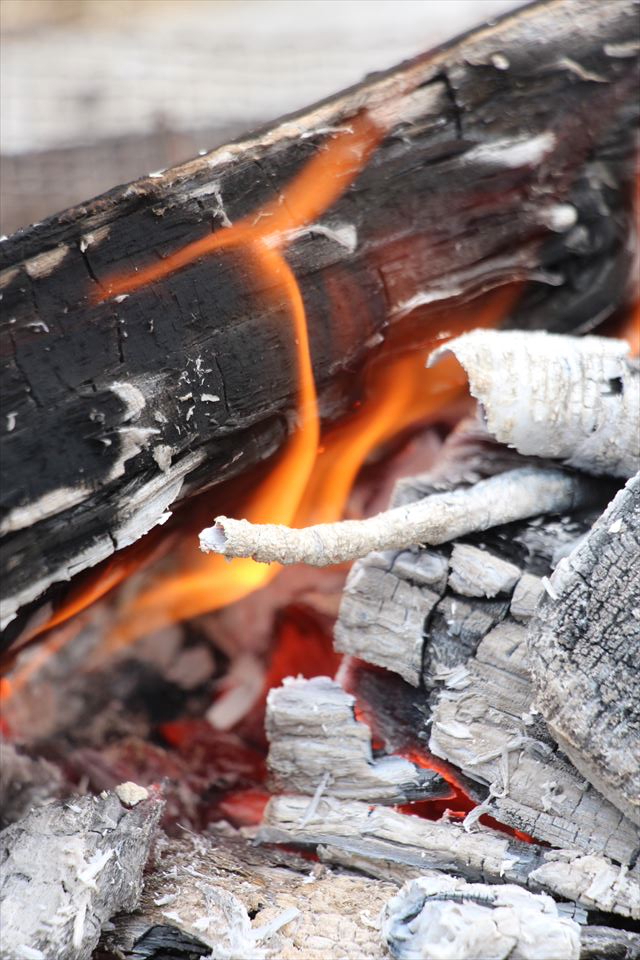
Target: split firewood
[(378, 836), (584, 650), (483, 723), (318, 747), (122, 399), (67, 868)]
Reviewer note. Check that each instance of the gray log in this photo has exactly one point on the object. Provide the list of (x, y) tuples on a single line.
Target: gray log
[(584, 650), (67, 868), (378, 834)]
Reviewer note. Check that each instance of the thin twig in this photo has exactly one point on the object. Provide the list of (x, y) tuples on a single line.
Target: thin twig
[(514, 495)]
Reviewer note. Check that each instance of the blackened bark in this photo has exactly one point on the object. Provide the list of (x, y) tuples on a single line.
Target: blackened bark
[(509, 157)]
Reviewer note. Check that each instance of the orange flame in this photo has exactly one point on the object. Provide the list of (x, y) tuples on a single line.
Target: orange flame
[(210, 582), (305, 485)]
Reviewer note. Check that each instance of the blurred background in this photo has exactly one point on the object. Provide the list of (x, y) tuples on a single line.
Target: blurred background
[(99, 92)]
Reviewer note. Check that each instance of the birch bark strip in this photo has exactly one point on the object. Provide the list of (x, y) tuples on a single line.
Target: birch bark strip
[(568, 398)]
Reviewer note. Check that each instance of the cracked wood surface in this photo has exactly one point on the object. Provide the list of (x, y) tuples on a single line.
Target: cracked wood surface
[(377, 836), (100, 434), (452, 622), (584, 650)]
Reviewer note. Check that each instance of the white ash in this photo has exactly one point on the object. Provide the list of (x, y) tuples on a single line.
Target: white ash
[(448, 919), (68, 868)]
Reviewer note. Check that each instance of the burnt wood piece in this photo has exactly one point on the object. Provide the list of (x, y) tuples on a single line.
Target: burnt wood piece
[(452, 622), (318, 747), (508, 155), (584, 650), (67, 868), (294, 907), (374, 837)]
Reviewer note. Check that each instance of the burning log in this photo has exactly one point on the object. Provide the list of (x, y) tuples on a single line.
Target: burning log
[(506, 156), (81, 862)]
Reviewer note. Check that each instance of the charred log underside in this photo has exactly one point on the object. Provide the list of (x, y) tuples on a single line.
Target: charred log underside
[(509, 157)]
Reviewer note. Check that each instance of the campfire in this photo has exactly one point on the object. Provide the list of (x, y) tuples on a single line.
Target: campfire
[(320, 528)]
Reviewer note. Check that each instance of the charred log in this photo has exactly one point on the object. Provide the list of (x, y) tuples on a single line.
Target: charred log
[(492, 169)]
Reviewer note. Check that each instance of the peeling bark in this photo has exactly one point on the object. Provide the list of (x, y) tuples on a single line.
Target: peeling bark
[(576, 400)]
